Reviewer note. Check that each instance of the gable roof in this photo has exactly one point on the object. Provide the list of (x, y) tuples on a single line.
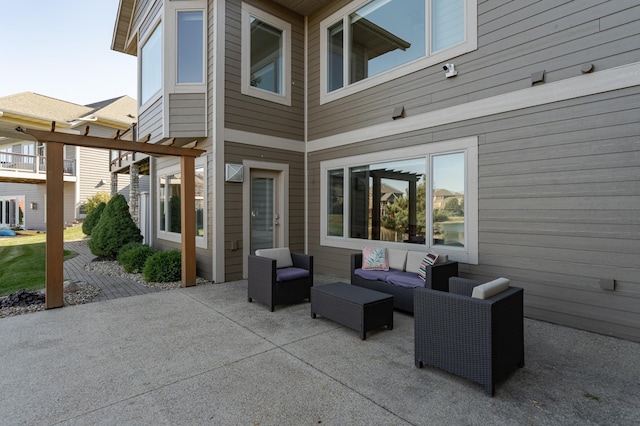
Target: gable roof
[(33, 107)]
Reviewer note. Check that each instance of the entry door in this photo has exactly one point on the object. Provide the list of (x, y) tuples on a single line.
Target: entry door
[(265, 217)]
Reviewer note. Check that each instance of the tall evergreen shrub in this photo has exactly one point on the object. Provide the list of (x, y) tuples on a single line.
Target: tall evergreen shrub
[(92, 219), (114, 229)]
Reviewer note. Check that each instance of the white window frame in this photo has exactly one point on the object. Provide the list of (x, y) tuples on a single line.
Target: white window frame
[(469, 145), (201, 241), (171, 34), (158, 24), (285, 27), (203, 71), (470, 43)]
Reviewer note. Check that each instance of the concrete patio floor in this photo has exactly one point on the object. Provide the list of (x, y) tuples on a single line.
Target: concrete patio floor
[(204, 355)]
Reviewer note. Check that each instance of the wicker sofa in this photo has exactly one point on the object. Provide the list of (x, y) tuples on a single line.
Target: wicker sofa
[(402, 277), (476, 336)]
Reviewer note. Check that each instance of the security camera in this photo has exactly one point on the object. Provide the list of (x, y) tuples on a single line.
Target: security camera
[(450, 70)]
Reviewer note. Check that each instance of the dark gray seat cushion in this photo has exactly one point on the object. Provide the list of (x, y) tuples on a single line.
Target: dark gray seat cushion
[(290, 273)]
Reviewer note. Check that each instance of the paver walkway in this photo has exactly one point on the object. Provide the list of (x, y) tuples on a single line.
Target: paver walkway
[(110, 287)]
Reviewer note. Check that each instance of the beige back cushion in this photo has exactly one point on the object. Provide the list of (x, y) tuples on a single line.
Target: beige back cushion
[(282, 255), (486, 290), (397, 258), (414, 258)]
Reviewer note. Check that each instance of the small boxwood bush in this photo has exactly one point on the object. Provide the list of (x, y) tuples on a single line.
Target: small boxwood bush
[(92, 218), (163, 266), (133, 256)]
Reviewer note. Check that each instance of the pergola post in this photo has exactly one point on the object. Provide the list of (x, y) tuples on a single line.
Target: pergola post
[(188, 220), (55, 226)]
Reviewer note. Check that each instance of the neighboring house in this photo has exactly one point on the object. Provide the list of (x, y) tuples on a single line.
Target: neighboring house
[(527, 111), (23, 161)]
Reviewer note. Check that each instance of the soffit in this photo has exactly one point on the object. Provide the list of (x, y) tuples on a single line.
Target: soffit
[(126, 9), (121, 27), (303, 7)]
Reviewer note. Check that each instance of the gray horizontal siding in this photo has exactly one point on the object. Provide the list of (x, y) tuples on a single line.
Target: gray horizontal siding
[(187, 115), (150, 121), (515, 39), (93, 167), (146, 20), (559, 206), (255, 115)]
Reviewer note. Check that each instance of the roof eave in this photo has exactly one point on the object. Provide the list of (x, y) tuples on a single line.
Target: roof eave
[(120, 41)]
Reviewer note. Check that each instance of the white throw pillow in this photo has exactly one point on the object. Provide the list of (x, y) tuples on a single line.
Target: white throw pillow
[(486, 290), (397, 258), (282, 255)]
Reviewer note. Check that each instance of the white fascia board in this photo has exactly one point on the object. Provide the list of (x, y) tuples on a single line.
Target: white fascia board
[(239, 136)]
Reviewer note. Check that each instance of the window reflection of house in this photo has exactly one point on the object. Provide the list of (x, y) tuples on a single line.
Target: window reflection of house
[(369, 41), (442, 196)]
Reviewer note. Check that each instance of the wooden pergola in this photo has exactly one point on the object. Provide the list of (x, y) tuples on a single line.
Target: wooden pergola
[(55, 207)]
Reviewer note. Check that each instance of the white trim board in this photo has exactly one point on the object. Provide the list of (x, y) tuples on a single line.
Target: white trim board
[(240, 136), (589, 84)]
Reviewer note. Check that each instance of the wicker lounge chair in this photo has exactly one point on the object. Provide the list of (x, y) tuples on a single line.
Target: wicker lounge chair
[(276, 283), (479, 339)]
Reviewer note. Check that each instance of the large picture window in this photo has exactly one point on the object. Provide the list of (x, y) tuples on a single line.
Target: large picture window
[(409, 197), (169, 205), (266, 56), (371, 42), (151, 66)]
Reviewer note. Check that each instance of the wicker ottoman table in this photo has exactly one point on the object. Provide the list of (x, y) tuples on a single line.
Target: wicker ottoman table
[(355, 307)]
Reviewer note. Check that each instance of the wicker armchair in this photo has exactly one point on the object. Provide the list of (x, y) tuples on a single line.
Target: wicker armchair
[(279, 286), (479, 339)]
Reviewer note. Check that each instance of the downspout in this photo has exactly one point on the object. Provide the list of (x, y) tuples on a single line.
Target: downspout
[(218, 141), (306, 134), (78, 168)]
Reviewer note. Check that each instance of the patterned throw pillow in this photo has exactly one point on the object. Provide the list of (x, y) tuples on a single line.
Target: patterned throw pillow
[(429, 260), (375, 259)]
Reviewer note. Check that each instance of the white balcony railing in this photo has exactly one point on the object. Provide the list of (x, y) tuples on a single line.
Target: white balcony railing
[(31, 163)]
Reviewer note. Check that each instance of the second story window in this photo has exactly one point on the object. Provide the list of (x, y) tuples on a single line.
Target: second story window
[(266, 56), (151, 66), (368, 43), (190, 47)]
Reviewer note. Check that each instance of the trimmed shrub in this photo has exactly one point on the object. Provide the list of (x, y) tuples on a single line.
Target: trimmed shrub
[(163, 266), (114, 229), (95, 200), (132, 256), (92, 219)]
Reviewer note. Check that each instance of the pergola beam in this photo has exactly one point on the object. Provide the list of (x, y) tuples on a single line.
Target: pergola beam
[(95, 142)]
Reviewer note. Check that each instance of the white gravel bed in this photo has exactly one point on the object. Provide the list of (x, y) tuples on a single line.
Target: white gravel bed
[(84, 293)]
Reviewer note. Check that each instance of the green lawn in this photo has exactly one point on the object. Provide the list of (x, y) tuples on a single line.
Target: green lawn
[(22, 260)]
